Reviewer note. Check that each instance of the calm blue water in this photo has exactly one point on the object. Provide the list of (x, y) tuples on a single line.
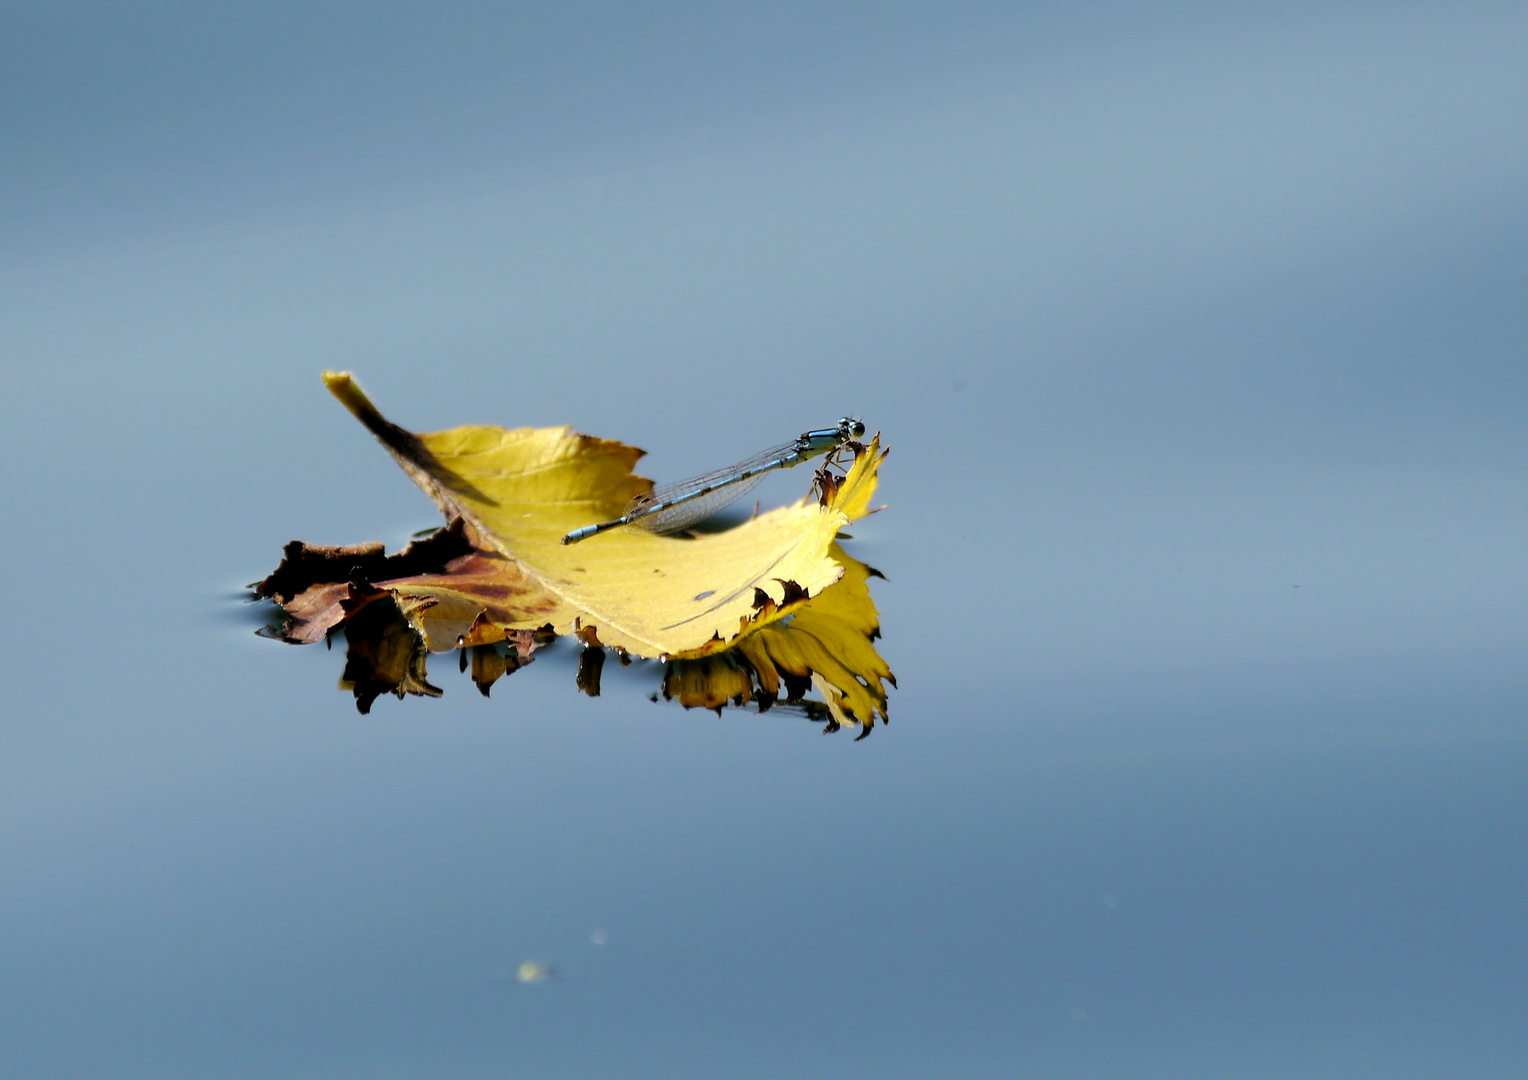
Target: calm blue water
[(1199, 339)]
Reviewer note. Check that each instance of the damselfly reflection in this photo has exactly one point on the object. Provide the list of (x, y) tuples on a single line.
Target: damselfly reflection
[(670, 507)]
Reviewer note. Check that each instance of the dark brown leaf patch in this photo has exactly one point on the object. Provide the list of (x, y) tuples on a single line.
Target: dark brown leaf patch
[(304, 565)]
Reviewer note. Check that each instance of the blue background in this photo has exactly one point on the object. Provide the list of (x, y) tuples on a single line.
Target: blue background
[(1199, 335)]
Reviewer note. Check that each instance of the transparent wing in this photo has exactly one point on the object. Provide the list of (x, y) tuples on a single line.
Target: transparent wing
[(669, 507), (774, 458), (698, 508)]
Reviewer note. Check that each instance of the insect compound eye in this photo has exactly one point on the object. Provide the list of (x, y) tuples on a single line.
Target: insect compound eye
[(857, 428)]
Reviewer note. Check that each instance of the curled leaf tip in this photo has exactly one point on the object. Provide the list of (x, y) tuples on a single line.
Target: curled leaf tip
[(344, 387)]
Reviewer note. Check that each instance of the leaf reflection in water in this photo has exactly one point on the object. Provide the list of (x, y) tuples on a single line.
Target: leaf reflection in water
[(828, 642), (825, 644)]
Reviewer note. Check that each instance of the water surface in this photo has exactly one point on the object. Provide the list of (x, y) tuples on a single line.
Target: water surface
[(1197, 336)]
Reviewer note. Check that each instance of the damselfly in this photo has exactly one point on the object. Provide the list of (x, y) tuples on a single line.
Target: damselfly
[(674, 506)]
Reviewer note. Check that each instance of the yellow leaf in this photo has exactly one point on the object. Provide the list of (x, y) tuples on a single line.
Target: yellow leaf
[(521, 490), (827, 642)]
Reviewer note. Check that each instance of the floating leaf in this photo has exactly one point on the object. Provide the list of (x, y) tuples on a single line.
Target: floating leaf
[(519, 491), (490, 580)]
